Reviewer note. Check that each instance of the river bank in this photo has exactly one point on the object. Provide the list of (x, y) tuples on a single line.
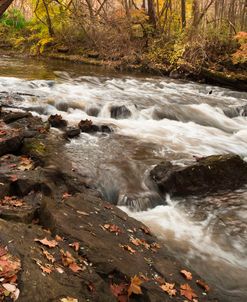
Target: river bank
[(216, 74)]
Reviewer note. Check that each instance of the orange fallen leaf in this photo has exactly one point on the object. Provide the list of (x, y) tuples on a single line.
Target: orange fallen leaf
[(186, 274), (135, 241), (134, 287), (75, 245), (46, 242), (187, 291), (48, 255), (128, 248), (45, 269), (203, 285), (169, 288), (120, 291), (154, 246), (113, 228), (108, 207), (66, 195), (69, 299), (146, 230), (75, 267), (58, 238), (67, 258)]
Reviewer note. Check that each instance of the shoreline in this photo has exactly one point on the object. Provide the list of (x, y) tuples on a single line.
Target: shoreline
[(231, 80)]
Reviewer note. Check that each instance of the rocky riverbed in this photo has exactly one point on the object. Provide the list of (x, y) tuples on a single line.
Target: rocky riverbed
[(60, 241)]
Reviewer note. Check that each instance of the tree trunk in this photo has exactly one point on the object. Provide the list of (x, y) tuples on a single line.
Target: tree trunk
[(183, 13), (151, 13), (4, 5), (48, 19)]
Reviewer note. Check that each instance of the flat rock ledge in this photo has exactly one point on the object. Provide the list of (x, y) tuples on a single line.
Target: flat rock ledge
[(207, 174), (69, 241)]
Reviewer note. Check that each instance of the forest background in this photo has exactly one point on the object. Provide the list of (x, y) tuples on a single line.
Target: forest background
[(182, 37)]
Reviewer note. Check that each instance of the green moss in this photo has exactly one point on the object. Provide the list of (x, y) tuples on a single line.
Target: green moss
[(35, 147)]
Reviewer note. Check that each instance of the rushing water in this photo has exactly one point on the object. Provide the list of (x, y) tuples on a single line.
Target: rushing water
[(168, 119)]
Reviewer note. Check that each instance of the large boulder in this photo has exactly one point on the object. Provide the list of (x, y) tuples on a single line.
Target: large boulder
[(120, 112), (208, 174)]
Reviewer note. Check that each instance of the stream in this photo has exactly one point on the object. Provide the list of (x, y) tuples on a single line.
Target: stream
[(154, 119)]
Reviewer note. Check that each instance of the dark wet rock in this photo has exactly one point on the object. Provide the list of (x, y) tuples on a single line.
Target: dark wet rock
[(208, 174), (171, 112), (88, 126), (10, 141), (25, 213), (38, 287), (62, 106), (14, 116), (32, 123), (105, 129), (93, 111), (82, 217), (236, 111), (57, 121), (120, 112), (34, 147), (72, 132)]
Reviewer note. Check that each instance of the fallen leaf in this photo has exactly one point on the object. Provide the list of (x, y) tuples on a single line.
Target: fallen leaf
[(113, 228), (134, 287), (146, 230), (135, 241), (120, 291), (75, 267), (60, 270), (75, 245), (203, 285), (3, 251), (11, 201), (45, 269), (15, 294), (187, 291), (169, 288), (144, 278), (26, 164), (154, 246), (82, 213), (69, 299), (48, 255), (128, 248), (9, 287), (108, 207), (67, 258), (46, 242), (58, 238), (186, 274), (66, 195)]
